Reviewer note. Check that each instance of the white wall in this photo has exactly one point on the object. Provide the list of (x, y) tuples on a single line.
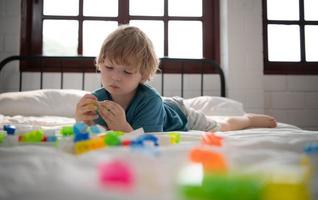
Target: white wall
[(291, 99), (9, 40), (241, 52)]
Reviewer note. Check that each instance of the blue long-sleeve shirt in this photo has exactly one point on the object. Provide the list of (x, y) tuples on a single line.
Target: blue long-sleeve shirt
[(149, 111)]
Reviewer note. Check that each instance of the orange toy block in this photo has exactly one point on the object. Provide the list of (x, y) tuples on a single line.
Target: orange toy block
[(212, 139), (211, 161)]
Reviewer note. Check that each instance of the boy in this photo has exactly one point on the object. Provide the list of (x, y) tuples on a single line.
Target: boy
[(126, 61)]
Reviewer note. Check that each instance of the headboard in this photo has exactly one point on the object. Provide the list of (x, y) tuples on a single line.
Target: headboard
[(63, 64)]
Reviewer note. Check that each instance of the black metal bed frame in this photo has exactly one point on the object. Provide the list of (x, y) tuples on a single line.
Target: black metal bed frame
[(216, 68)]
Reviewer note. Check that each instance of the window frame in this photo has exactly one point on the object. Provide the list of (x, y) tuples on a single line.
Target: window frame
[(297, 68), (32, 18)]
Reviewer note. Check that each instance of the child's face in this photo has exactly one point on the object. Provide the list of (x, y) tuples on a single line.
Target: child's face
[(118, 79)]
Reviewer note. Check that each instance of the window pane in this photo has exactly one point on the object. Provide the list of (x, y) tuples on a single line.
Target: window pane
[(311, 7), (53, 7), (283, 43), (60, 37), (94, 33), (104, 8), (185, 8), (146, 7), (311, 33), (283, 9), (154, 30), (185, 39)]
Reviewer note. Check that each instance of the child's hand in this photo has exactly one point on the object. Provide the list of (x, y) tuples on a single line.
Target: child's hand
[(114, 115), (86, 109)]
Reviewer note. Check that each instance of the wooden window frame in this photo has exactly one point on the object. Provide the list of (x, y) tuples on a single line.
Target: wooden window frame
[(31, 31), (297, 68)]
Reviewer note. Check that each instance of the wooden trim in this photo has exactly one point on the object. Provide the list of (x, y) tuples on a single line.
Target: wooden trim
[(166, 17), (36, 34), (80, 29), (165, 29), (123, 11), (309, 68), (295, 68), (31, 33), (302, 30), (211, 18), (88, 65), (265, 39), (26, 16), (216, 31), (31, 26)]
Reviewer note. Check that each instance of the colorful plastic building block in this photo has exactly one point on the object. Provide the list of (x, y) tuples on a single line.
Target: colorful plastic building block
[(116, 174), (81, 136), (136, 143), (2, 136), (80, 130), (94, 129), (211, 139), (293, 187), (310, 162), (147, 137), (126, 142), (51, 138), (311, 149), (88, 145), (221, 186), (112, 139), (211, 161), (174, 137), (80, 127), (10, 129), (32, 136), (67, 131)]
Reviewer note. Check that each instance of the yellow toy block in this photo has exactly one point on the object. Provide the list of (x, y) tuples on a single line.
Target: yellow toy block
[(174, 137), (289, 183), (88, 145)]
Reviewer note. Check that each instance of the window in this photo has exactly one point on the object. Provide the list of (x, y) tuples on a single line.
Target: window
[(290, 36), (178, 28)]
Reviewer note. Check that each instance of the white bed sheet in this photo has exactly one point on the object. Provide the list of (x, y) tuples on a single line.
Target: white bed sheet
[(46, 172)]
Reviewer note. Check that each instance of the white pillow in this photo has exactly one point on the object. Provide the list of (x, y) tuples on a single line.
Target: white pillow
[(56, 102), (216, 106)]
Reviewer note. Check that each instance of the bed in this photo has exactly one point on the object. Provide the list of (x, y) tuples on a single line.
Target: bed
[(277, 163)]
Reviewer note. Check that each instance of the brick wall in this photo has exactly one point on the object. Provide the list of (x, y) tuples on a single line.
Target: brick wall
[(293, 99)]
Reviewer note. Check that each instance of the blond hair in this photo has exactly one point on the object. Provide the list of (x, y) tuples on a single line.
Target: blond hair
[(129, 46)]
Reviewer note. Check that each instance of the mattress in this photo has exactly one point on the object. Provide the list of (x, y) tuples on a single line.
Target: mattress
[(258, 163), (50, 171)]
